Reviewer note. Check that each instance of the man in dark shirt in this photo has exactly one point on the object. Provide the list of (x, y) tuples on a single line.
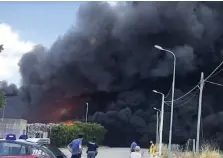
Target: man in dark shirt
[(92, 148)]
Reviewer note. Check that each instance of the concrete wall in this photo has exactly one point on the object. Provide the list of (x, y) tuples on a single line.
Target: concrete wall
[(13, 126)]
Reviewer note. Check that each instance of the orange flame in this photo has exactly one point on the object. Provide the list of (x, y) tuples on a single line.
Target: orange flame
[(68, 123)]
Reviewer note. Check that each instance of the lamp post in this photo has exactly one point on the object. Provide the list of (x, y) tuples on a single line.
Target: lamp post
[(157, 124), (86, 112), (173, 87), (161, 123)]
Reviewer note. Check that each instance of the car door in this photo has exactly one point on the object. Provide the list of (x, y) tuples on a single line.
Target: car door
[(39, 152), (13, 150)]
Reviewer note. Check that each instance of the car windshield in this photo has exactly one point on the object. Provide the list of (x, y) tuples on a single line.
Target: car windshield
[(12, 149), (55, 151)]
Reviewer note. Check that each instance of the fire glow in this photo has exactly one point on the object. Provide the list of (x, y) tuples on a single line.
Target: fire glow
[(69, 122)]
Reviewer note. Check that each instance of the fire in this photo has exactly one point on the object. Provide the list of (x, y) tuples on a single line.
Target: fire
[(68, 122)]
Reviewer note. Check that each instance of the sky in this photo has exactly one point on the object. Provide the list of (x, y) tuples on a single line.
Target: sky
[(25, 24)]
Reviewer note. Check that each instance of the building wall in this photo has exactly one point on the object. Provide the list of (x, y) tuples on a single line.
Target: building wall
[(13, 126)]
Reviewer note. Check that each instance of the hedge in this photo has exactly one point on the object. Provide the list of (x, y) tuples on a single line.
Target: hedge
[(63, 134)]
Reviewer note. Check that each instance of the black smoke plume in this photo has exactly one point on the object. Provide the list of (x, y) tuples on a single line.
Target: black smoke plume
[(108, 59), (14, 106)]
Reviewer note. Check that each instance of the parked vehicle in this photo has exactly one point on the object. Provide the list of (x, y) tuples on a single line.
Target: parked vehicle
[(39, 140), (18, 148)]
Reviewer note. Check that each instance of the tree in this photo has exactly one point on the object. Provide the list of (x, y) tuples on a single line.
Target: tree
[(2, 98)]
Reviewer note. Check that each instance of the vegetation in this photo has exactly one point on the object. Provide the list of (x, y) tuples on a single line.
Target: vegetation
[(208, 150), (63, 134), (2, 98)]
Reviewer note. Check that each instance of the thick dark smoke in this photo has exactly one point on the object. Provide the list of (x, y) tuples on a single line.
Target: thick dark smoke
[(14, 106), (8, 90), (108, 59)]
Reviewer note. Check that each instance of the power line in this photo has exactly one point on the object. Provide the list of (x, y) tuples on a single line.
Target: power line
[(185, 93), (218, 84), (216, 73), (211, 75), (168, 92), (186, 100), (180, 105)]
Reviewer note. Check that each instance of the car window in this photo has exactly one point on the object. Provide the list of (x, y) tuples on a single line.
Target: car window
[(39, 152), (23, 150), (54, 150), (12, 149)]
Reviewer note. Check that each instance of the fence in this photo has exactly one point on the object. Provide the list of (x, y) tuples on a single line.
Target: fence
[(39, 130)]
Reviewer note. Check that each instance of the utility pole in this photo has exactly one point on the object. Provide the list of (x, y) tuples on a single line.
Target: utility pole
[(199, 112), (86, 112)]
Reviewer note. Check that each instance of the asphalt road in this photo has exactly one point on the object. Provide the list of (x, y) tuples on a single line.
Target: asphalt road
[(106, 152)]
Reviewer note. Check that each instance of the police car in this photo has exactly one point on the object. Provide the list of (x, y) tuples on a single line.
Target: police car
[(21, 148)]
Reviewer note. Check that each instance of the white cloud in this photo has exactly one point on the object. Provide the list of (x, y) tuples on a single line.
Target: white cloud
[(14, 48)]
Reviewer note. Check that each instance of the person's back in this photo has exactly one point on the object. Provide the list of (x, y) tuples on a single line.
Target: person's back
[(136, 153), (92, 148), (133, 145), (76, 147)]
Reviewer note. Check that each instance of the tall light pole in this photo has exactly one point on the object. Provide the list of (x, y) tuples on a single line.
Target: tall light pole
[(157, 123), (161, 123), (173, 87), (86, 112)]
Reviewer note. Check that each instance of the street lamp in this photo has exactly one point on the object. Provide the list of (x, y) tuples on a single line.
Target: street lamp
[(158, 47), (161, 123), (86, 112), (158, 110), (173, 87), (157, 123)]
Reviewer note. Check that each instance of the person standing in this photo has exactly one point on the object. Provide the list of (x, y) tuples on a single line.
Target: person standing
[(152, 148), (75, 147), (92, 148)]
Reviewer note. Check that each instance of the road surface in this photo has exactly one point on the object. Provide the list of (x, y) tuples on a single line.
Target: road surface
[(106, 152)]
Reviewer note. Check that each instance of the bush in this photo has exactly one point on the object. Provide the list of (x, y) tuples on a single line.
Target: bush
[(63, 134), (2, 99)]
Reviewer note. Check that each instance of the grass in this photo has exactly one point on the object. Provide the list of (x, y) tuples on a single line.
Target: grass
[(208, 150)]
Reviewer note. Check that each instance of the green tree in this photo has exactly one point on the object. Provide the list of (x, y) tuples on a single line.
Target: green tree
[(2, 98)]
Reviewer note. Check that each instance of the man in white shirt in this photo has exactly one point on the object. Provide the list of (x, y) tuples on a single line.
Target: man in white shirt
[(136, 153)]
